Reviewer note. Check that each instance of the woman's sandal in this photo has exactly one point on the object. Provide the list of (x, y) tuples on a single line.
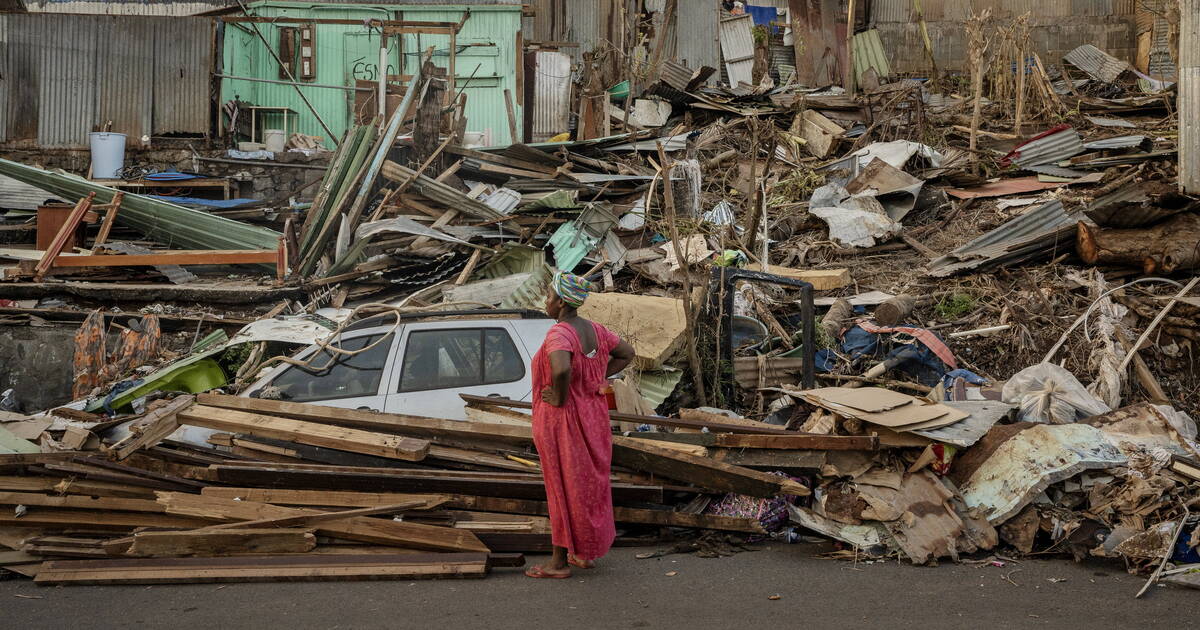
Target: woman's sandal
[(536, 571), (574, 561)]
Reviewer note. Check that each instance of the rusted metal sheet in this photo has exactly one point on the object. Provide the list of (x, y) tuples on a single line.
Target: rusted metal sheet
[(125, 8), (823, 41), (66, 76), (737, 48), (551, 94), (1026, 237)]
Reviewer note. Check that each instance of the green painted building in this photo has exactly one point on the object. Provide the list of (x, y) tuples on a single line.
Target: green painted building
[(487, 62)]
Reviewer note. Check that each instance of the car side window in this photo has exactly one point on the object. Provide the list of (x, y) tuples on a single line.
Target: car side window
[(332, 375), (461, 357)]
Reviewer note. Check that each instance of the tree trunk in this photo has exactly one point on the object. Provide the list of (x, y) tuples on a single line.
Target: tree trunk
[(1163, 248)]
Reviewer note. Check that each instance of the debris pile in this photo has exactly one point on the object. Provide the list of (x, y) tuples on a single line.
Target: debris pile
[(919, 320)]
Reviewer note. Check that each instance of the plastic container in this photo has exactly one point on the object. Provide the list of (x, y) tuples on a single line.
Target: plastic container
[(108, 153), (473, 139), (619, 92), (275, 139)]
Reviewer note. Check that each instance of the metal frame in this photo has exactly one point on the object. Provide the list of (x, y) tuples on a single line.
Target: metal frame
[(728, 278)]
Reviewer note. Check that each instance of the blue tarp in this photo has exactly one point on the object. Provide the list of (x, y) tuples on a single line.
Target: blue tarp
[(763, 16), (207, 203)]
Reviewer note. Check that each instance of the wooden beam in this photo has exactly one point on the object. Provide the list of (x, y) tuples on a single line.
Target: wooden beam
[(268, 568), (153, 427), (361, 528), (277, 476), (665, 518), (701, 471), (798, 441), (396, 423), (200, 257), (311, 433), (484, 401), (99, 520), (81, 502), (211, 542)]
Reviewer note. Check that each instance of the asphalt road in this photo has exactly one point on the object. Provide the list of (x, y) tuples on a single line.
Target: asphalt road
[(625, 592)]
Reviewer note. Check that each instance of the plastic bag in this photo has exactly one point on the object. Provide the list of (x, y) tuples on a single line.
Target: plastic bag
[(1049, 394)]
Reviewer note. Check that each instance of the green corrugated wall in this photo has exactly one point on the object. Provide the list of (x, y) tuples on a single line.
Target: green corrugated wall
[(346, 52)]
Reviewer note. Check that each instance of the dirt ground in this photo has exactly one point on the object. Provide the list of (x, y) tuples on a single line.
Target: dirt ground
[(731, 592)]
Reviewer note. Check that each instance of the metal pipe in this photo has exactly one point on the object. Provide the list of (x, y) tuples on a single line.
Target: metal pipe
[(278, 82)]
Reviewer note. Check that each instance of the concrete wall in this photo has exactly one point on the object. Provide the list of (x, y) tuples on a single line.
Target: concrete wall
[(36, 362)]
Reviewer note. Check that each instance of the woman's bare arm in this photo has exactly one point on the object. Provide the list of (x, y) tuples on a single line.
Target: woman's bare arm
[(560, 378), (619, 358)]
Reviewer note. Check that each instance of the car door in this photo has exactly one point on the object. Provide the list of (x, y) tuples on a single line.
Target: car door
[(439, 361), (354, 379)]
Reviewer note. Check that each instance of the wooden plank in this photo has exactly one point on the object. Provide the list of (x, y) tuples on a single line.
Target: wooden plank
[(484, 401), (139, 472), (543, 169), (821, 279), (81, 502), (424, 503), (270, 476), (94, 474), (769, 458), (97, 520), (361, 528), (701, 471), (64, 233), (666, 518), (154, 427), (286, 568), (396, 423), (210, 542), (311, 433), (213, 257)]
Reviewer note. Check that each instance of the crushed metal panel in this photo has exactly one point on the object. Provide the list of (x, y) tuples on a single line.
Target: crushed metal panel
[(532, 292), (657, 385), (964, 433), (1097, 64), (1118, 142), (737, 49), (1030, 461), (551, 94), (869, 54), (17, 195), (1048, 147)]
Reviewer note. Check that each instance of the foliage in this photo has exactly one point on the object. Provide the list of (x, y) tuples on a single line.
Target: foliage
[(955, 306)]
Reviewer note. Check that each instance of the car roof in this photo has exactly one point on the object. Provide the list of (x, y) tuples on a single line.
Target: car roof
[(384, 319)]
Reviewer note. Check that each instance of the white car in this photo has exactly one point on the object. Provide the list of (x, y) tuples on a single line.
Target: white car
[(418, 367)]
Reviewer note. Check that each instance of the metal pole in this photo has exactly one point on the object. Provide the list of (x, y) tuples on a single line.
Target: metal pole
[(278, 82), (295, 84), (1188, 96)]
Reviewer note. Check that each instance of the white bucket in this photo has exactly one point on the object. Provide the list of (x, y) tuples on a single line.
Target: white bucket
[(473, 139), (275, 140), (108, 153)]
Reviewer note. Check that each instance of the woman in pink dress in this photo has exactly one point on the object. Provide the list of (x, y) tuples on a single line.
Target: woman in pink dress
[(571, 429)]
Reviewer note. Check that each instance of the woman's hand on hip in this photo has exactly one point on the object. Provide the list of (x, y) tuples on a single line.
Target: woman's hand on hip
[(548, 396)]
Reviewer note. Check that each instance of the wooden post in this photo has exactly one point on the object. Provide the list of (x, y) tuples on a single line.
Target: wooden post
[(851, 87), (512, 118), (685, 268), (60, 239), (1188, 101), (110, 215)]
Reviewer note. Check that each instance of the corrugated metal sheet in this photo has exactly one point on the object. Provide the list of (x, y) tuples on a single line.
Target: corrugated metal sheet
[(1052, 146), (782, 61), (1023, 238), (551, 94), (1118, 142), (697, 42), (62, 74), (869, 54), (657, 385), (183, 52), (737, 48), (1097, 64), (126, 7), (16, 195), (67, 81)]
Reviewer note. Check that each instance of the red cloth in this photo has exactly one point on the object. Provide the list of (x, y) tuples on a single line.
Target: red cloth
[(574, 442)]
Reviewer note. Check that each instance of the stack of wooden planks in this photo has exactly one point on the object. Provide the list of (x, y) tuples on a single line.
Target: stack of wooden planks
[(275, 490)]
